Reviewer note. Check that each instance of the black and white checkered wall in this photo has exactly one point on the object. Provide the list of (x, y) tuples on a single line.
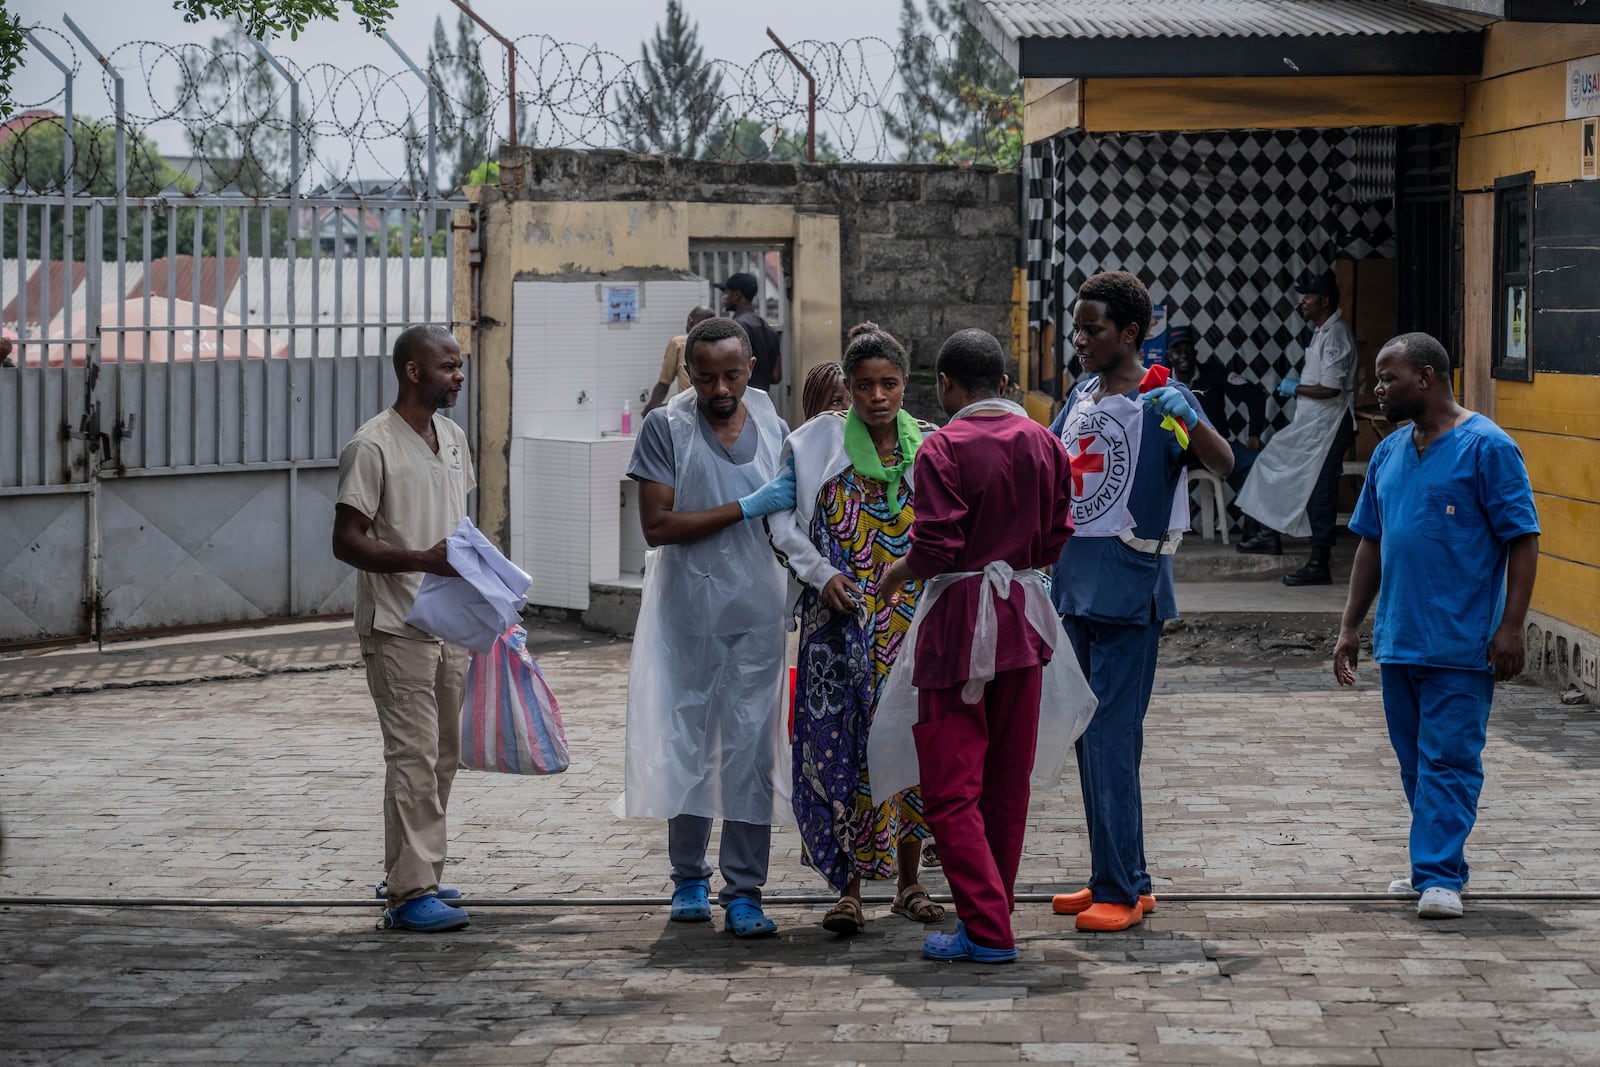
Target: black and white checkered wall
[(1219, 225)]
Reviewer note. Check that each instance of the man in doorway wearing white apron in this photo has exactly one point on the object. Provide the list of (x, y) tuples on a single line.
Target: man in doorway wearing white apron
[(1294, 486), (706, 728)]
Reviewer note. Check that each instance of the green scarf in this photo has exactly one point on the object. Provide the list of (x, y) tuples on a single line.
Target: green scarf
[(864, 454)]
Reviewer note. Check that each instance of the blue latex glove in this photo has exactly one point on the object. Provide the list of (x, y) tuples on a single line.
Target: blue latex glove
[(1168, 400), (776, 495), (1287, 387)]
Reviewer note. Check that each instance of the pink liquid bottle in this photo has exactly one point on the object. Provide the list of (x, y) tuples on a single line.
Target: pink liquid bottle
[(627, 418)]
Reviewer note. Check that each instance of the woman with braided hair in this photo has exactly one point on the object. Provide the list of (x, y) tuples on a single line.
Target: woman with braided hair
[(824, 390), (851, 521)]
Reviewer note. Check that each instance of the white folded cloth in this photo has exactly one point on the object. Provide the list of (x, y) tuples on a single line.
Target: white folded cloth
[(476, 608)]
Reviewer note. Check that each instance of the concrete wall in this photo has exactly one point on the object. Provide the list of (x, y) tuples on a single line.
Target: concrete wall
[(920, 250), (923, 250)]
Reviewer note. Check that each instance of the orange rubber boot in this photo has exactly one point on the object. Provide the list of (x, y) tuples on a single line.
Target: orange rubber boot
[(1109, 917), (1074, 903)]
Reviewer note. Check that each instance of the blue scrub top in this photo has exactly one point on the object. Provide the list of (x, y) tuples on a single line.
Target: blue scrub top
[(1443, 521), (1102, 579)]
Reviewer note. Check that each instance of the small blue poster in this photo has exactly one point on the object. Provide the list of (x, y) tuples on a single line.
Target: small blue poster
[(622, 303), (1154, 349)]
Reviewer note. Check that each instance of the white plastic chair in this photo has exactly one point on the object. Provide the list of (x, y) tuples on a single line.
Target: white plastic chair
[(1207, 490), (1353, 468)]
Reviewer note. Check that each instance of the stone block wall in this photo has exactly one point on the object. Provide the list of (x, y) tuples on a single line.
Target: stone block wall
[(925, 250)]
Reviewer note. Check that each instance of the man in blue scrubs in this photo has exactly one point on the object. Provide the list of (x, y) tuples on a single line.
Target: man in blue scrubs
[(1113, 584), (1449, 545)]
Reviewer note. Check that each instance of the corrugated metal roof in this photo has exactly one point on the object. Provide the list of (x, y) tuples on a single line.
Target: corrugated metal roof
[(1019, 19)]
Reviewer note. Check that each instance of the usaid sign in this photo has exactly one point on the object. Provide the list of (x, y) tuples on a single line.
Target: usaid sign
[(1583, 87)]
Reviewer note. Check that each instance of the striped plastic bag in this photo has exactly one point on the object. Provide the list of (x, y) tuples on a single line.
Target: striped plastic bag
[(510, 722)]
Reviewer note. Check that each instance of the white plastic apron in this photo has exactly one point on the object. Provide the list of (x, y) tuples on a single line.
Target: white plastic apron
[(706, 685), (1279, 485), (1066, 703)]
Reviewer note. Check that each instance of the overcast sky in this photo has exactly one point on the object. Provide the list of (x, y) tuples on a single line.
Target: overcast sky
[(615, 25)]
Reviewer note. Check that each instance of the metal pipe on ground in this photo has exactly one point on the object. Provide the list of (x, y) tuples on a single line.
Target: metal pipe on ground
[(796, 900)]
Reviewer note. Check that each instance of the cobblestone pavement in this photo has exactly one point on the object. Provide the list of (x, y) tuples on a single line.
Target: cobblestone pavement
[(1258, 778)]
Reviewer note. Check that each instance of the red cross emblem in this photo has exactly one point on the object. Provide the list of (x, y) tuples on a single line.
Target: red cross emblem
[(1084, 462)]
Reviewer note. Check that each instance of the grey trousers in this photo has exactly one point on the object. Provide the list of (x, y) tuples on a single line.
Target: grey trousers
[(742, 855)]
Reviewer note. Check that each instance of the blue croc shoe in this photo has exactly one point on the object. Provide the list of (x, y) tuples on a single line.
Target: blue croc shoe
[(446, 893), (746, 919), (426, 914), (958, 946), (691, 901)]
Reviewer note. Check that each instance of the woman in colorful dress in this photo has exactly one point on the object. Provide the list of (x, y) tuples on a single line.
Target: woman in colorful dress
[(853, 519)]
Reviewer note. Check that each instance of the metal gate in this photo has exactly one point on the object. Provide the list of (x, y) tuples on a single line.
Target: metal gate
[(715, 260), (185, 374)]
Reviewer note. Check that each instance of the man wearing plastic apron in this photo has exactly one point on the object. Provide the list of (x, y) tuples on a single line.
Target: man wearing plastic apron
[(706, 736), (1294, 486)]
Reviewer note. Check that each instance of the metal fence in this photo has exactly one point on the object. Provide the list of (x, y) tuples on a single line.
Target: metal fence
[(185, 373), (254, 119), (197, 335)]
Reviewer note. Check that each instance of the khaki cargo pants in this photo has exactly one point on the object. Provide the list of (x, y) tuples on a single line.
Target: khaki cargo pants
[(417, 687)]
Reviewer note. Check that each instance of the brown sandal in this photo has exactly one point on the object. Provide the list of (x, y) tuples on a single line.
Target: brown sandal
[(914, 903), (845, 917)]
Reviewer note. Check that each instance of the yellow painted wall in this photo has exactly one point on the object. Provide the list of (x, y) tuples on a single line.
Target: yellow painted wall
[(523, 237), (1515, 115), (818, 299), (1550, 419), (1515, 122), (1142, 104)]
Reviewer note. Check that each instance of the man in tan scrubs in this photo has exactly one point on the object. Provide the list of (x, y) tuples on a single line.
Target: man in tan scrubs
[(674, 371), (403, 484)]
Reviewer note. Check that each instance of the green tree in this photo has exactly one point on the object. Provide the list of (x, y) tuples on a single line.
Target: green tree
[(34, 158), (37, 156), (260, 18), (954, 88), (996, 138), (11, 43), (230, 109), (265, 18), (746, 139), (465, 120), (464, 123), (396, 238), (676, 101)]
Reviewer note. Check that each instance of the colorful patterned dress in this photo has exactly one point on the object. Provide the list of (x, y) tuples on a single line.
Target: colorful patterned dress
[(843, 666)]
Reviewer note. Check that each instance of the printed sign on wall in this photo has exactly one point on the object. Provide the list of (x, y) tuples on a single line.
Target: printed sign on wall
[(1516, 324), (1583, 87), (622, 303), (1154, 348), (1589, 168)]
